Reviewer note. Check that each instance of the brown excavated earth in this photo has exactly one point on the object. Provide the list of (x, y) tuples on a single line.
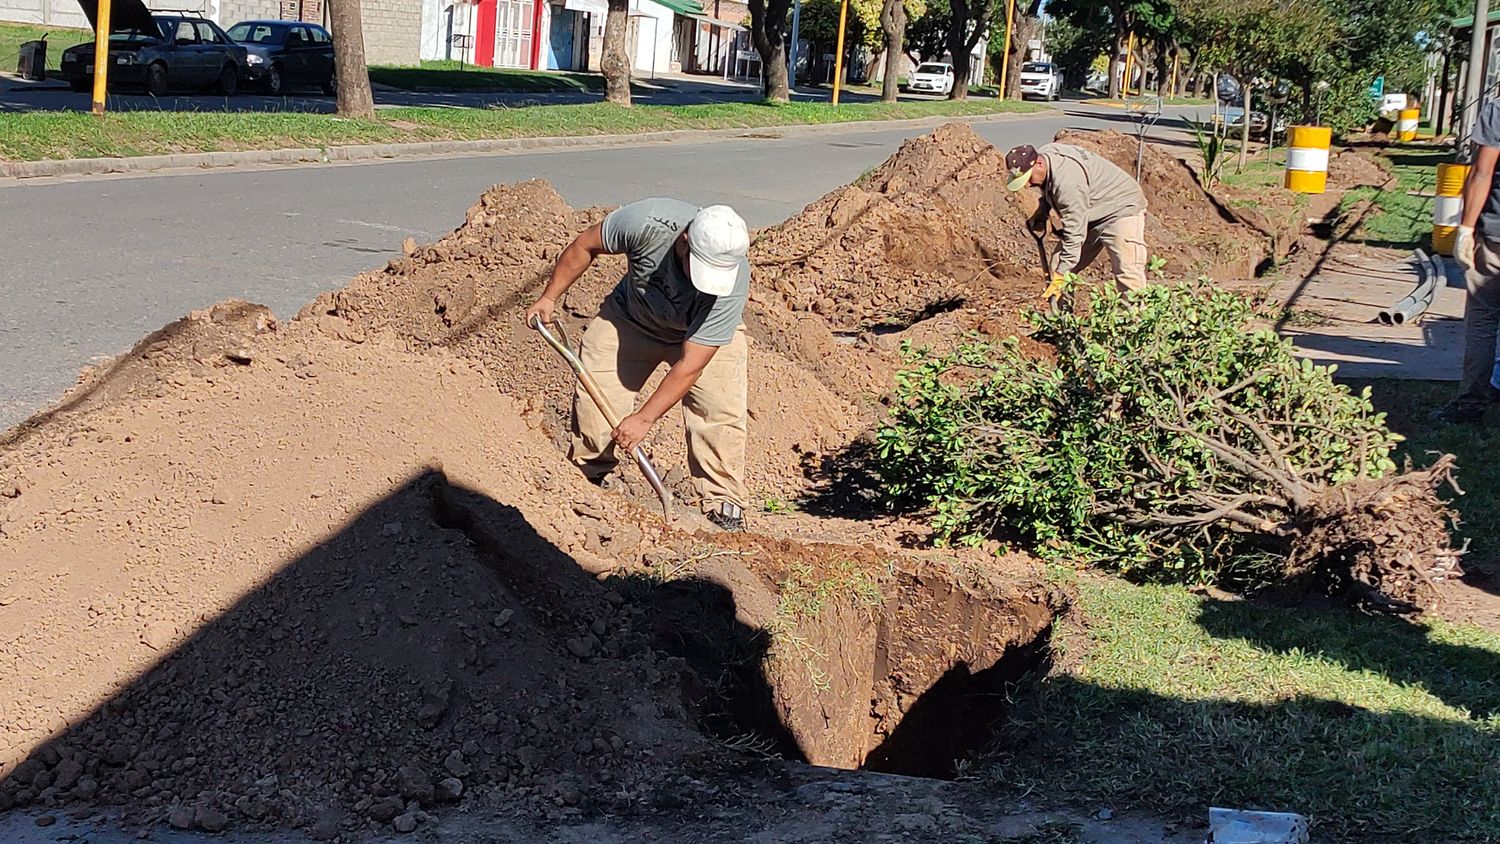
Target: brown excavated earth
[(334, 573), (934, 229)]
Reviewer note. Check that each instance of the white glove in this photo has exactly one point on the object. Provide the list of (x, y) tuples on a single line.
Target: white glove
[(1463, 247)]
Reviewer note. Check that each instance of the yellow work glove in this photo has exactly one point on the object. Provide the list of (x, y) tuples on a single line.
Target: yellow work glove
[(1055, 288)]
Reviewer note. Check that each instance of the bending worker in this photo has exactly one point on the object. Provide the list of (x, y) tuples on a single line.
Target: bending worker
[(1477, 250), (1100, 205), (680, 303)]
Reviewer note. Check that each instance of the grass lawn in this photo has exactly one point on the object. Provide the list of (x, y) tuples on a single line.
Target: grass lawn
[(1398, 218), (1375, 728), (34, 136), (447, 75), (1170, 702), (12, 35)]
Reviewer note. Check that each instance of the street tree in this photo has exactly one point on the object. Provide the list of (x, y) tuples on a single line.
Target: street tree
[(968, 21), (352, 76), (893, 30), (768, 26), (927, 36), (615, 62), (1254, 39)]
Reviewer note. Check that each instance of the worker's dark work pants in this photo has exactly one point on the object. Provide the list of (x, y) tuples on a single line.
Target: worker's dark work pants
[(1481, 319)]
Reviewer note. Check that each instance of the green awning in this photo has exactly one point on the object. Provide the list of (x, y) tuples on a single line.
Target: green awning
[(683, 7)]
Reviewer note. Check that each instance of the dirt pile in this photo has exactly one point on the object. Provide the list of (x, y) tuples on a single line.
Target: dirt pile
[(1192, 229), (929, 229), (335, 573), (934, 228), (466, 295)]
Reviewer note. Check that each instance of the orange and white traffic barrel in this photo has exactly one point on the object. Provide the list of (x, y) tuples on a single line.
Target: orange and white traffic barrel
[(1448, 208), (1406, 124), (1307, 158)]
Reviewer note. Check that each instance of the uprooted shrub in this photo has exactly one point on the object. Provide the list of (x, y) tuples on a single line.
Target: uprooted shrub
[(1168, 440)]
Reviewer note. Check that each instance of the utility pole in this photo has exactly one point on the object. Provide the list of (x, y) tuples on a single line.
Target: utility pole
[(838, 59), (101, 56), (796, 30), (1010, 17), (1474, 80)]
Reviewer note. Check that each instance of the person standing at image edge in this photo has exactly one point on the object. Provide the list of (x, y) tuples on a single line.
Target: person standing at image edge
[(1477, 250)]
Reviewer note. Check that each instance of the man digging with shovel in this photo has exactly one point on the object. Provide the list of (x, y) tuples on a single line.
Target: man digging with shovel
[(681, 303), (1100, 205)]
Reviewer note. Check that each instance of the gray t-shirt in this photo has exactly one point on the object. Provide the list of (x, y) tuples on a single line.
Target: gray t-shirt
[(1487, 133), (656, 294)]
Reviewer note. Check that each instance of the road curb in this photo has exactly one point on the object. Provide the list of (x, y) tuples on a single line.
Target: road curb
[(78, 167)]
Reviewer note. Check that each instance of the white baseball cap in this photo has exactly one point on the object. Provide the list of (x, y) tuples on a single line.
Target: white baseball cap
[(718, 242)]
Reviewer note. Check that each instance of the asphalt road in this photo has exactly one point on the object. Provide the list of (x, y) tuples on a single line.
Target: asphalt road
[(91, 266)]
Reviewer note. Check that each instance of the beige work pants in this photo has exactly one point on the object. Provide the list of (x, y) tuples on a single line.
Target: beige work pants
[(715, 410), (1124, 238)]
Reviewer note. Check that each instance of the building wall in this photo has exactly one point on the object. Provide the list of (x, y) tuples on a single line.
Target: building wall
[(45, 12), (393, 31), (651, 26)]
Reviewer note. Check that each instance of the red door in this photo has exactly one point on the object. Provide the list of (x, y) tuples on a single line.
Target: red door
[(484, 35)]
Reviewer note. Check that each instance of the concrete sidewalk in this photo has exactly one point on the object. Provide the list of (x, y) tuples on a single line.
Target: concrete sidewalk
[(1331, 316)]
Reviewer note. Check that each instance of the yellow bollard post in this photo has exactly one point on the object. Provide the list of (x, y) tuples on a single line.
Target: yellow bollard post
[(1307, 158), (101, 57), (1010, 17), (1129, 59), (838, 59), (1406, 124), (1448, 208), (1172, 91)]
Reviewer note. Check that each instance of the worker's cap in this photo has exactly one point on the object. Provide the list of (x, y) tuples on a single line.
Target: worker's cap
[(1019, 162), (718, 241)]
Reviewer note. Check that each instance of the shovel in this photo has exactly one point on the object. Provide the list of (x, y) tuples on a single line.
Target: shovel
[(559, 341)]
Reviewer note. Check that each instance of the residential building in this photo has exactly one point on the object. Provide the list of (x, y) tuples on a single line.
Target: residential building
[(392, 27)]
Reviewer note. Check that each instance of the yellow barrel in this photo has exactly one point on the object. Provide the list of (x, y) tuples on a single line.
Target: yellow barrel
[(1406, 124), (1448, 207), (1307, 158)]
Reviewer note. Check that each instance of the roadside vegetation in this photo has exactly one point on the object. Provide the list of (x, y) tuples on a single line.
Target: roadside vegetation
[(1375, 728), (1169, 441), (13, 35), (447, 75), (1400, 216), (35, 136)]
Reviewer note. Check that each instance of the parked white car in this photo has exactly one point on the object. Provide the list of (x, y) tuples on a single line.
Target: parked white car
[(1041, 79), (931, 78)]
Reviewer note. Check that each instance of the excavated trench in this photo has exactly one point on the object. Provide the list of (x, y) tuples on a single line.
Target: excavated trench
[(835, 655)]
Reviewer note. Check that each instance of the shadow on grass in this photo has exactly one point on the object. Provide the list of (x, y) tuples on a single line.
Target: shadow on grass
[(1462, 676), (1272, 732)]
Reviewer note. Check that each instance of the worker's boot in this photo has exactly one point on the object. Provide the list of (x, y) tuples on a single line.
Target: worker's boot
[(727, 516)]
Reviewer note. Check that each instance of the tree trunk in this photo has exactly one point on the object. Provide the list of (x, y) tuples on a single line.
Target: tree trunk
[(957, 55), (968, 25), (1190, 76), (1116, 64), (893, 23), (768, 22), (615, 62), (354, 98), (1015, 54)]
